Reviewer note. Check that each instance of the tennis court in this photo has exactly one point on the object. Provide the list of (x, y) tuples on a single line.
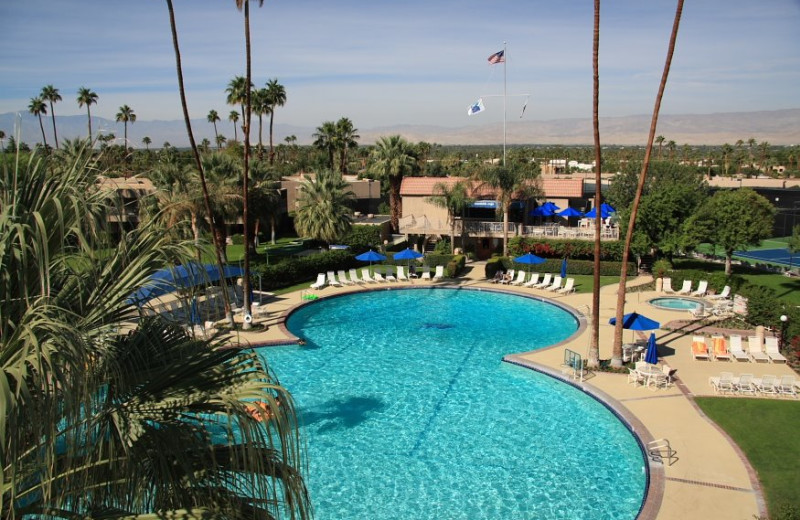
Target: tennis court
[(775, 256)]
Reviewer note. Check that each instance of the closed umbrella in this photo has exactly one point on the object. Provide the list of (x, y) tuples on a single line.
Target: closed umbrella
[(651, 356), (564, 268)]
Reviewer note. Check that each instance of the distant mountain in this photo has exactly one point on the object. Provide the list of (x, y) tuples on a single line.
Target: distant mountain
[(778, 127)]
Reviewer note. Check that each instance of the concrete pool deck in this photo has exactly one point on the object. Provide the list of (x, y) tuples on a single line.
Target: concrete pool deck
[(711, 478)]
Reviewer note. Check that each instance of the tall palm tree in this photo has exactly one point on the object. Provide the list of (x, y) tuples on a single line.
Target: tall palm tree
[(276, 94), (233, 117), (392, 159), (594, 340), (122, 424), (221, 139), (218, 246), (616, 356), (126, 115), (37, 107), (261, 107), (325, 139), (50, 94), (454, 198), (87, 97), (146, 141), (212, 118), (324, 207), (509, 183), (660, 142), (346, 135)]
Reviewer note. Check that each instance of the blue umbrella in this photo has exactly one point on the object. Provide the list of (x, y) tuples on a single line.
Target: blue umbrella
[(651, 356), (569, 212), (564, 268), (592, 213), (607, 207), (194, 317), (636, 321), (541, 211), (552, 206), (529, 258), (407, 254), (371, 256)]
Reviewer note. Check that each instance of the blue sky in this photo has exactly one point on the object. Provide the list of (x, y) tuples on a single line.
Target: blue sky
[(384, 63)]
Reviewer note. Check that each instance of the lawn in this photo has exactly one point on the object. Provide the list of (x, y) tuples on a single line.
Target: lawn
[(766, 431)]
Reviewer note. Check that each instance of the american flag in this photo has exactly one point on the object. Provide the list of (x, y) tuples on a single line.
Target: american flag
[(497, 57)]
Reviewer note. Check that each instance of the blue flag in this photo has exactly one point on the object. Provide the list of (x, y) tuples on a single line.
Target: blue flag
[(476, 108)]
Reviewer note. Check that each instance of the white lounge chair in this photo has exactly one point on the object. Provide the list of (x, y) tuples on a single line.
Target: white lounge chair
[(724, 295), (378, 277), (767, 384), (754, 349), (439, 275), (366, 276), (699, 348), (787, 386), (667, 286), (354, 277), (569, 286), (520, 278), (744, 384), (533, 281), (722, 383), (332, 280), (426, 273), (401, 274), (343, 277), (772, 351), (686, 288), (545, 281), (320, 283), (702, 288), (508, 277), (556, 285), (735, 348), (390, 277)]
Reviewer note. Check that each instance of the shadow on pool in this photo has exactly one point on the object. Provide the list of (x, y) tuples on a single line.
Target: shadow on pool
[(342, 413)]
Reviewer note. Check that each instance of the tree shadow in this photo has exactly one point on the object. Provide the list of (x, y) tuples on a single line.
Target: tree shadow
[(342, 413)]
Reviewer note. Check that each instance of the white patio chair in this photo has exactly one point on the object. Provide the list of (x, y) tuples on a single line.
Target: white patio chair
[(366, 276), (520, 278), (569, 286), (556, 285), (320, 283), (754, 349), (787, 386), (723, 383), (401, 274), (533, 281), (686, 288), (439, 275), (508, 277), (772, 350), (426, 273), (354, 277), (744, 384), (735, 348), (545, 281), (343, 277), (724, 295), (667, 286), (702, 288)]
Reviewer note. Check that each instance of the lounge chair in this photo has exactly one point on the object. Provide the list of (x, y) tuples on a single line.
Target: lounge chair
[(426, 273), (569, 286), (439, 275), (390, 274), (556, 285), (354, 277), (699, 348), (744, 384), (787, 386), (702, 288), (379, 277), (533, 281), (332, 280), (767, 384), (755, 350), (366, 276), (772, 350), (667, 286), (723, 383), (699, 312), (499, 275), (545, 281), (508, 277), (343, 278), (724, 295), (520, 278), (720, 348), (735, 348), (686, 288), (320, 283), (401, 274)]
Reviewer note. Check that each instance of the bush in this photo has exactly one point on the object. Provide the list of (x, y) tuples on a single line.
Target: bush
[(661, 267), (493, 265), (362, 238), (553, 265), (761, 304), (455, 266), (570, 248), (297, 270)]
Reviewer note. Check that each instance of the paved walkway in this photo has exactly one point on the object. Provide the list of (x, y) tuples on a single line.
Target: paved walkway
[(711, 478)]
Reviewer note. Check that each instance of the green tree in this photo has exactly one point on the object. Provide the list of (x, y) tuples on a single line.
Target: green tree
[(37, 107), (594, 340), (87, 97), (346, 138), (261, 108), (126, 115), (794, 244), (509, 183), (324, 207), (146, 141), (454, 198), (325, 139), (731, 220), (233, 117), (276, 97), (660, 142), (212, 118), (51, 95), (393, 158)]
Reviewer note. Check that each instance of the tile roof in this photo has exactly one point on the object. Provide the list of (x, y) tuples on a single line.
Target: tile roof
[(423, 186)]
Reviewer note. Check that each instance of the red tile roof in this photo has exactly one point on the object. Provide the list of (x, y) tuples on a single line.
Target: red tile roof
[(423, 186)]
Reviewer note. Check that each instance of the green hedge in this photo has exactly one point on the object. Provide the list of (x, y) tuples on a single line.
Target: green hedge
[(560, 248), (297, 270), (553, 265), (455, 265)]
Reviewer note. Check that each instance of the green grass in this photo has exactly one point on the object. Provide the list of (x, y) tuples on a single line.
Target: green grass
[(766, 431)]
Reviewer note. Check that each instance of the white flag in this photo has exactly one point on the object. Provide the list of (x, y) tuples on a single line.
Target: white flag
[(476, 107)]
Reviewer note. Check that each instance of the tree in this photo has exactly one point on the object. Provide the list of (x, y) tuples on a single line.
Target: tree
[(345, 139), (454, 198), (392, 159), (126, 115), (794, 244), (276, 97), (594, 340), (50, 94), (233, 117), (731, 219), (212, 118), (146, 141), (261, 107), (324, 207), (87, 97), (220, 141), (325, 139), (616, 356), (37, 107), (660, 142), (508, 184)]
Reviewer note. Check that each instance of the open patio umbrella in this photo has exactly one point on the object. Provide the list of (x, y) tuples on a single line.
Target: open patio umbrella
[(408, 254), (529, 258), (651, 356), (552, 206), (636, 321), (569, 212), (541, 211), (371, 256)]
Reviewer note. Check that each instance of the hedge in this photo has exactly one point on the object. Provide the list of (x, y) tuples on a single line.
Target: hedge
[(569, 248), (553, 265)]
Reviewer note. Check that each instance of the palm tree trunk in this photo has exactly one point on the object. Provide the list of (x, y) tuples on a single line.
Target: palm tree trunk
[(593, 360), (616, 357), (260, 134), (216, 135), (41, 125), (199, 164), (271, 150), (89, 114), (125, 125), (246, 169), (394, 201), (53, 116)]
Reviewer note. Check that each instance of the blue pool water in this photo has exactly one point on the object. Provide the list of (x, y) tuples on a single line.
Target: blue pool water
[(674, 303), (409, 412)]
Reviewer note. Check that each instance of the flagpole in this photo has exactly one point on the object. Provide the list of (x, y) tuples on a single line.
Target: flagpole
[(505, 62)]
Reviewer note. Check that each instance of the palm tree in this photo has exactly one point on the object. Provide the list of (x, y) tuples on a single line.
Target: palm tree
[(2, 139), (146, 141), (213, 117), (594, 341), (509, 183), (261, 107), (37, 107), (233, 117), (220, 141), (51, 95), (324, 211), (205, 144), (616, 356), (123, 423), (126, 115), (325, 139), (276, 95), (392, 159), (345, 139), (88, 98), (454, 198), (660, 141)]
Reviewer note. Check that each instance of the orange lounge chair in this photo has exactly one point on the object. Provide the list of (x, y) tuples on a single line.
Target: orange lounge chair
[(699, 348), (720, 348)]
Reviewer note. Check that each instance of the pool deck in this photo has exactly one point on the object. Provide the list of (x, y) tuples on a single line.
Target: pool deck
[(711, 478)]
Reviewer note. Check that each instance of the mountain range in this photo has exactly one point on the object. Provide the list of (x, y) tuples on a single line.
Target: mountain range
[(777, 127)]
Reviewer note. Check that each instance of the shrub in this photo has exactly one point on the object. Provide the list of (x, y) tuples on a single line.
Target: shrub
[(455, 265), (761, 304), (361, 238), (493, 265), (560, 248), (661, 267)]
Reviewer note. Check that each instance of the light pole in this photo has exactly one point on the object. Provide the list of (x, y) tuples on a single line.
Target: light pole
[(784, 323)]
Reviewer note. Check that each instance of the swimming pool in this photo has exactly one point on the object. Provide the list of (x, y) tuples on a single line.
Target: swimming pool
[(676, 303), (409, 412)]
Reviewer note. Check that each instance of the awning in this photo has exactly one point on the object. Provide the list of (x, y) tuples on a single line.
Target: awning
[(493, 204)]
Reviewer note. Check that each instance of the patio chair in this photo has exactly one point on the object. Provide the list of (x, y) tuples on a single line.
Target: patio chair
[(724, 295), (702, 288), (744, 384), (439, 275), (735, 348), (755, 351), (569, 286), (723, 383), (332, 280), (720, 348), (699, 348), (556, 285), (499, 276), (508, 277), (635, 377), (320, 283), (545, 281), (390, 277), (686, 288), (426, 273), (354, 277), (401, 274), (533, 281), (772, 351), (343, 278), (667, 286), (379, 277), (366, 276), (767, 384), (787, 386), (520, 278)]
